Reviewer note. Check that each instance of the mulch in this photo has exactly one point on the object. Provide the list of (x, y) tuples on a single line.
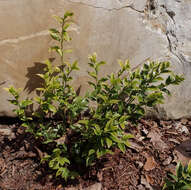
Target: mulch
[(154, 151)]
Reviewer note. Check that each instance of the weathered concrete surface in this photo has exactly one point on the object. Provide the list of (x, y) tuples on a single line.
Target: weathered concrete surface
[(133, 29)]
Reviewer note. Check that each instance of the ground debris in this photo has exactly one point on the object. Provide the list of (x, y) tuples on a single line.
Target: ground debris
[(157, 147)]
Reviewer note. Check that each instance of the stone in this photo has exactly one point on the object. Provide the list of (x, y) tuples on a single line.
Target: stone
[(140, 187), (133, 29), (144, 182), (167, 161), (181, 128), (5, 131)]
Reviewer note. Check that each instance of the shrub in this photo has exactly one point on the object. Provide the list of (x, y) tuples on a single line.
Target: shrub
[(181, 180), (81, 129)]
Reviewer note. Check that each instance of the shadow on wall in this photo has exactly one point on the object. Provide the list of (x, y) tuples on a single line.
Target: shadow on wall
[(34, 81)]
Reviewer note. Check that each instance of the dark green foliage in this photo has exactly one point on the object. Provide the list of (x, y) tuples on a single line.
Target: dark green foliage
[(180, 181), (82, 129)]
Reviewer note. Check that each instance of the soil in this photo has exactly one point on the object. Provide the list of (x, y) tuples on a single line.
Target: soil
[(154, 151)]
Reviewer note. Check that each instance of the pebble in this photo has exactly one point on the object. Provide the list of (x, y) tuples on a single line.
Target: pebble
[(144, 182), (181, 128), (167, 161), (5, 131)]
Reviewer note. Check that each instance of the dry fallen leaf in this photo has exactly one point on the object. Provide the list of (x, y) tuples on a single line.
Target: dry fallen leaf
[(150, 163), (156, 140)]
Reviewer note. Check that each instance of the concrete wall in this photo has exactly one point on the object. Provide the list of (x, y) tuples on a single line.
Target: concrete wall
[(115, 29)]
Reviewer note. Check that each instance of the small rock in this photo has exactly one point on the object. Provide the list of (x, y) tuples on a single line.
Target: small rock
[(140, 187), (96, 186), (5, 131), (167, 161), (145, 131), (140, 164), (150, 163), (181, 128), (144, 182)]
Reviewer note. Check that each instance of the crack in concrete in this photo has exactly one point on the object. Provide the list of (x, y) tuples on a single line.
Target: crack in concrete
[(23, 38), (170, 33), (109, 9)]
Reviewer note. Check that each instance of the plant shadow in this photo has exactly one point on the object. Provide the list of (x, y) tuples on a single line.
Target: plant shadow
[(34, 81)]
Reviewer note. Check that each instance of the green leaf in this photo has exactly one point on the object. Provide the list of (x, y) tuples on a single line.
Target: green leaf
[(173, 177), (57, 49), (67, 51), (146, 66), (101, 63), (114, 101), (25, 125), (123, 118), (93, 59), (166, 91), (93, 74), (186, 187), (65, 173), (66, 36), (100, 153), (55, 36), (26, 103), (53, 31), (68, 14), (52, 108), (157, 79), (14, 102), (189, 168), (169, 80), (58, 19), (65, 160), (122, 147), (120, 62), (97, 129), (114, 138), (91, 151), (109, 142), (127, 65), (179, 169), (85, 122), (75, 66), (40, 75), (91, 84), (104, 98)]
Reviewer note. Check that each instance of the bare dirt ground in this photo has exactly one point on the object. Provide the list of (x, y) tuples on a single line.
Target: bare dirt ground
[(154, 151)]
